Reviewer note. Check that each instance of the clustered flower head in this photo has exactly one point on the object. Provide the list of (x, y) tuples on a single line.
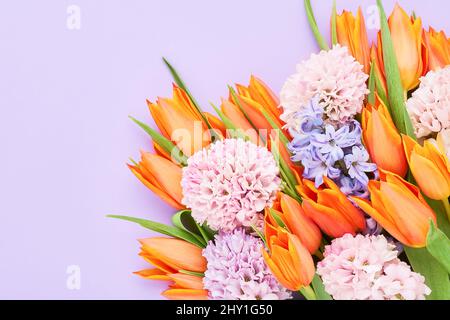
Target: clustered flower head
[(335, 77), (331, 150), (236, 269), (429, 105), (228, 184), (367, 268)]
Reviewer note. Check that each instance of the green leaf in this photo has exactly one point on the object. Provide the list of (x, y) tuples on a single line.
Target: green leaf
[(313, 24), (192, 273), (183, 220), (285, 172), (397, 106), (272, 123), (182, 85), (163, 142), (380, 91), (163, 229), (438, 245), (441, 215), (334, 39), (278, 219), (436, 277), (319, 289), (371, 97), (207, 233), (259, 233)]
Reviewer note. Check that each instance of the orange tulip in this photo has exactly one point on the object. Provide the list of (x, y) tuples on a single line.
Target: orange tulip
[(399, 208), (351, 32), (161, 176), (406, 33), (382, 139), (289, 260), (330, 209), (378, 69), (291, 213), (170, 256), (437, 48), (429, 167), (179, 121), (247, 114), (256, 97)]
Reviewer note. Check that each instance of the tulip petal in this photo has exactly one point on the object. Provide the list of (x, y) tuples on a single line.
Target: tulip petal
[(276, 271), (152, 274), (328, 219), (187, 281), (300, 224), (186, 294), (430, 180), (381, 219), (176, 253)]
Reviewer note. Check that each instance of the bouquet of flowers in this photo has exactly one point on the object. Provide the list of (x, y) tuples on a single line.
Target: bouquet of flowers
[(336, 190)]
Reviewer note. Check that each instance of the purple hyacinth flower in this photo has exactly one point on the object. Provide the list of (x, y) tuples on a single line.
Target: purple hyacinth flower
[(316, 166), (357, 164)]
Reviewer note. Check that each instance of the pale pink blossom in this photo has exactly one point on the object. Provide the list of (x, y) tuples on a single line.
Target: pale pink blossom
[(335, 77), (367, 268), (229, 184), (429, 105)]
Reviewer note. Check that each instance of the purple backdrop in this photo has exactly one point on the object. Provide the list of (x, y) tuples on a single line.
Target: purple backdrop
[(70, 76)]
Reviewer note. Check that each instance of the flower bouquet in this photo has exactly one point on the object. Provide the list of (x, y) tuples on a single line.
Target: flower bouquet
[(336, 190)]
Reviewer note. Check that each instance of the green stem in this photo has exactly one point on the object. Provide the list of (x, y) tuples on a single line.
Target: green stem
[(447, 207), (308, 293), (314, 28)]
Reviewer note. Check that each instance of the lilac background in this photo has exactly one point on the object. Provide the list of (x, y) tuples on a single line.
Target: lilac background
[(65, 137)]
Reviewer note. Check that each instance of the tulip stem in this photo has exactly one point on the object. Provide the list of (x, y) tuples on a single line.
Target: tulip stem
[(308, 293), (447, 207)]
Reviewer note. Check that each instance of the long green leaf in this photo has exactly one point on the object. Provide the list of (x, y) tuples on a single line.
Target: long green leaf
[(183, 220), (441, 215), (436, 277), (334, 39), (438, 245), (394, 83), (372, 88), (163, 142), (380, 90), (313, 24), (162, 228), (319, 289)]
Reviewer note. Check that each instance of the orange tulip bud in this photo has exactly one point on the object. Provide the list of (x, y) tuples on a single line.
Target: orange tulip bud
[(437, 47), (429, 167), (382, 139), (351, 32), (179, 121), (406, 33), (299, 223), (185, 294), (330, 209), (161, 176), (399, 208), (289, 261), (263, 95), (169, 256), (173, 254)]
